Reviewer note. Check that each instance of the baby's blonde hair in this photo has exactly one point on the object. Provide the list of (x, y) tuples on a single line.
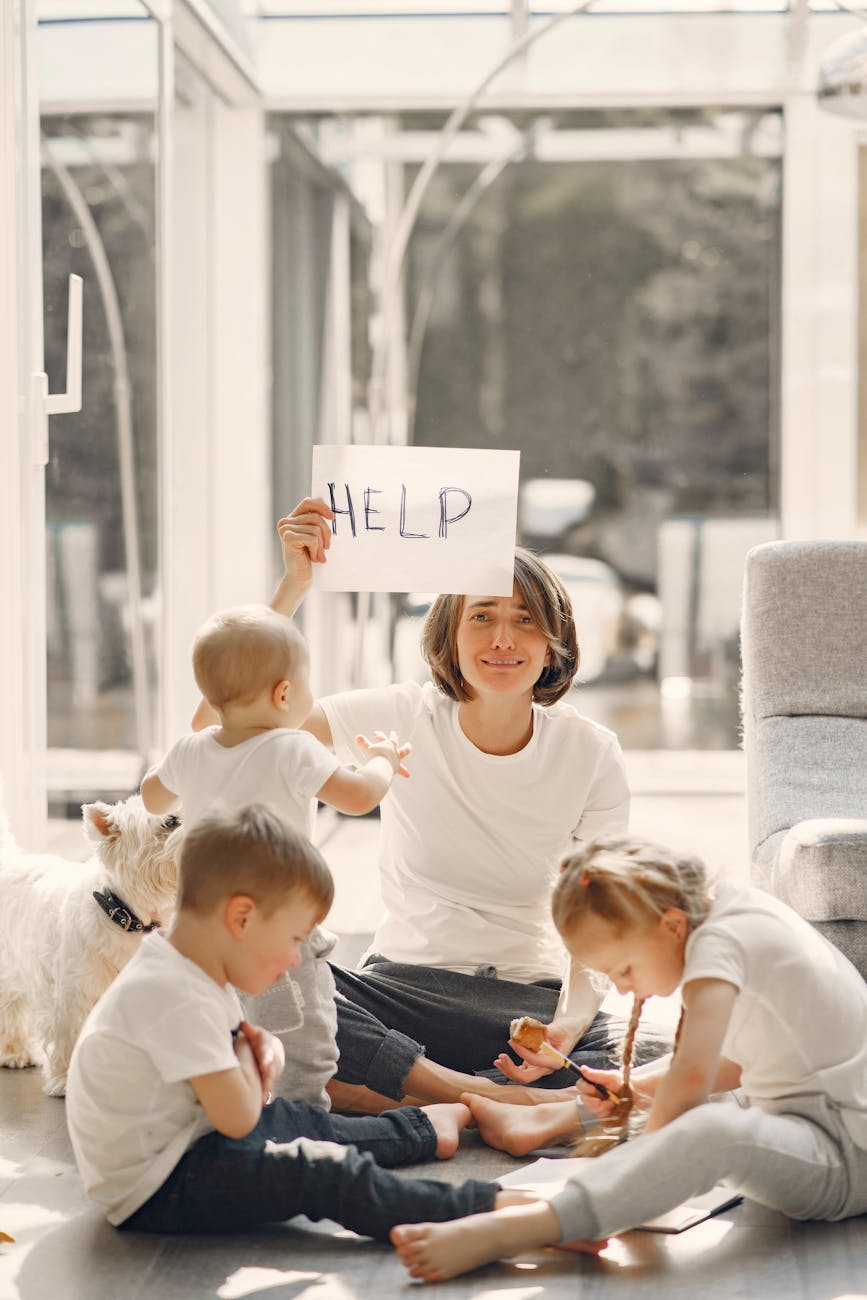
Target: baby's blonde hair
[(239, 653), (627, 881)]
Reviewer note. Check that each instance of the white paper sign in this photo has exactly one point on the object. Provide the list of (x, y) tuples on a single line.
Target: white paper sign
[(418, 519)]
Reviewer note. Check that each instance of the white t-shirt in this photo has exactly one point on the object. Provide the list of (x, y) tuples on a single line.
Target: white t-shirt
[(131, 1110), (471, 843), (799, 1023), (281, 768)]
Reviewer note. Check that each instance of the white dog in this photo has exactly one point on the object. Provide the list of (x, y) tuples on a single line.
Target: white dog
[(67, 928)]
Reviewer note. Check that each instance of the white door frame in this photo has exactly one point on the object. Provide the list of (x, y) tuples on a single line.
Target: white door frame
[(22, 477)]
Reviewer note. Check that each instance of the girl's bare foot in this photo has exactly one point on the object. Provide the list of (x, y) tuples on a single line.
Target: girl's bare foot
[(435, 1251), (448, 1120), (520, 1130)]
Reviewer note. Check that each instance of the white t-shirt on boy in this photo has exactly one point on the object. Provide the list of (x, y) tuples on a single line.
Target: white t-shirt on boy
[(130, 1109)]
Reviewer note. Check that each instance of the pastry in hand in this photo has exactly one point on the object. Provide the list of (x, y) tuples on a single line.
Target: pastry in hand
[(528, 1033)]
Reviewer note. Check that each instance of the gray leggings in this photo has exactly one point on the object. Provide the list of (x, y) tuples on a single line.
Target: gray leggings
[(801, 1162)]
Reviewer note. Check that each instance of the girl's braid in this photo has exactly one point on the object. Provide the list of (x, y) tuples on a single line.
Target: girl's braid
[(614, 1130)]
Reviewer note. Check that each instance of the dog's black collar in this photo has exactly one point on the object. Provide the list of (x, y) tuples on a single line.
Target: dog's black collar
[(117, 912)]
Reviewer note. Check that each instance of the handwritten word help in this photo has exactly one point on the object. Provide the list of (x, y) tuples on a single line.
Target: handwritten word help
[(454, 504)]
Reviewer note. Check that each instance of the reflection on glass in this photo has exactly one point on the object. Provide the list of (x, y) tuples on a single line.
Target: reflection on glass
[(618, 322), (101, 481)]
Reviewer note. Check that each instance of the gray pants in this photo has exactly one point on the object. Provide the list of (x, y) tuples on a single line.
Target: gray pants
[(800, 1161)]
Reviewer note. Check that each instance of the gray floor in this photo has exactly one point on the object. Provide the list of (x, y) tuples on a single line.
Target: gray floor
[(64, 1251)]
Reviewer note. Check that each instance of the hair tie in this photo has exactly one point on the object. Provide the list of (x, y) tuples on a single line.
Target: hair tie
[(585, 880)]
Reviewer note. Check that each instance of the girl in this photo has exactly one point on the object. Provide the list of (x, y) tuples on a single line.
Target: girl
[(504, 775), (768, 1005)]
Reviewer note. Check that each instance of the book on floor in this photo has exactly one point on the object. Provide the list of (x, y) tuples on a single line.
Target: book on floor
[(548, 1175)]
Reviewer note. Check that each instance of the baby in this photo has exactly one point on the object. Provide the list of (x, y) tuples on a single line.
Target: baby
[(252, 667)]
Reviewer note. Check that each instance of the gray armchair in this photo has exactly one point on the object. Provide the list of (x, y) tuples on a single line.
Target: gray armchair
[(804, 704)]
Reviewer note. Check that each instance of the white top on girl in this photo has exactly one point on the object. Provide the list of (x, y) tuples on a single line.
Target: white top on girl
[(471, 844), (799, 1023)]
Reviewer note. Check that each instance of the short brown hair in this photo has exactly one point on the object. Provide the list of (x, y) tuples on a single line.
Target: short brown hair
[(548, 602), (240, 652), (250, 851)]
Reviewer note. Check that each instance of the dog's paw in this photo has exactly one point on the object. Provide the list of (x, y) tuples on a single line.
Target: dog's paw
[(18, 1061), (54, 1087)]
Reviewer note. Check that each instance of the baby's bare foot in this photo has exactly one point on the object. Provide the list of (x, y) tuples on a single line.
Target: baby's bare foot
[(448, 1119)]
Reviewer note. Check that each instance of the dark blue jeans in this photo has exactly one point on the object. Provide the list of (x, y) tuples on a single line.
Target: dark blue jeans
[(300, 1159), (389, 1013)]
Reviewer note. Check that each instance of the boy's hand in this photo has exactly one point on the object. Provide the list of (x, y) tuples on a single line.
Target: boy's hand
[(305, 536), (269, 1055), (387, 747)]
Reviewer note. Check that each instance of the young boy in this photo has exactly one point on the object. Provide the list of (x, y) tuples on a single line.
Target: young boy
[(167, 1101), (252, 666)]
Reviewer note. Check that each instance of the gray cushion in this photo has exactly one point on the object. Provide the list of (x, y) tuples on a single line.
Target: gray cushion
[(801, 769), (804, 629), (821, 869), (850, 937)]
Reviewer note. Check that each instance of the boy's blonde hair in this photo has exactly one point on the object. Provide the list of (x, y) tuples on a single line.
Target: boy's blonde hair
[(239, 653), (251, 851), (627, 881), (548, 602)]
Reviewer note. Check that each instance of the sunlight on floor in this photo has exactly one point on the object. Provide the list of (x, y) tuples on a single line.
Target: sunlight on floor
[(253, 1281)]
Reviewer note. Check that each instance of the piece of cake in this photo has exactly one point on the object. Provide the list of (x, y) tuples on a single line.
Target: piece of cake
[(529, 1033)]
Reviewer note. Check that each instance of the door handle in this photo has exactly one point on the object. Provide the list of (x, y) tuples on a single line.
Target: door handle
[(43, 403)]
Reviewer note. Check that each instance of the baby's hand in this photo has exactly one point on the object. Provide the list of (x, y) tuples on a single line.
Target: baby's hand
[(269, 1055), (592, 1098), (305, 535), (388, 747)]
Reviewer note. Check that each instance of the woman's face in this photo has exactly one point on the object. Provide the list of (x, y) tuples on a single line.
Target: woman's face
[(500, 649)]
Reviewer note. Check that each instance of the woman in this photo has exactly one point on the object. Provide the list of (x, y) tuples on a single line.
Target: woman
[(503, 777)]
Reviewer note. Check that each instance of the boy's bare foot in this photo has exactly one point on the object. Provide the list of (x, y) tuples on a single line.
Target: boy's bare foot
[(448, 1120), (520, 1130)]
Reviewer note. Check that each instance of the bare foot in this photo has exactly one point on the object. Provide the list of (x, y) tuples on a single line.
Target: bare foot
[(448, 1119), (515, 1094), (435, 1251), (519, 1130)]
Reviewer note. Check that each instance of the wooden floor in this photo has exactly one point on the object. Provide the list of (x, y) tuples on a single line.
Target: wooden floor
[(65, 1251)]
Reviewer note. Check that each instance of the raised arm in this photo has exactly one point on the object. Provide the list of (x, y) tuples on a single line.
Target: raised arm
[(359, 792), (305, 536)]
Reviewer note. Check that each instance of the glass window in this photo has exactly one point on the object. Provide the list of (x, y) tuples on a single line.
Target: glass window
[(99, 221), (616, 318)]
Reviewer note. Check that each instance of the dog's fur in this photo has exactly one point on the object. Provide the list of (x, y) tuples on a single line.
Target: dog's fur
[(58, 949)]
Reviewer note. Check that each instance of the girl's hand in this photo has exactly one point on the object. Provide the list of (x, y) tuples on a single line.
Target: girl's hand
[(387, 747), (268, 1053), (535, 1064), (305, 536), (594, 1101)]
